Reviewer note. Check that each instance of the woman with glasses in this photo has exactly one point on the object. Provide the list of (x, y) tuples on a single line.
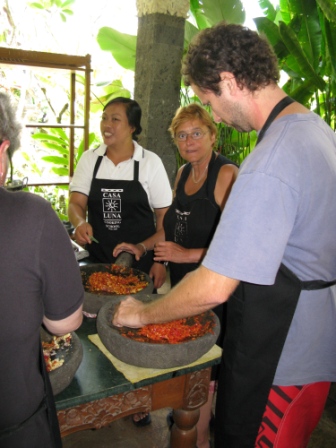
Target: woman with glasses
[(201, 189)]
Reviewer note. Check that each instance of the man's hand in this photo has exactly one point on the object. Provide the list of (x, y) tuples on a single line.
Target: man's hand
[(128, 313)]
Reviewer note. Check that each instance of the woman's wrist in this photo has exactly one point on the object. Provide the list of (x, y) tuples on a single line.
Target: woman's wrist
[(79, 224), (144, 248), (165, 263)]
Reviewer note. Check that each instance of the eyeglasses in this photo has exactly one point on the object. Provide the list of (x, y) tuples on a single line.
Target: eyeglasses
[(196, 135)]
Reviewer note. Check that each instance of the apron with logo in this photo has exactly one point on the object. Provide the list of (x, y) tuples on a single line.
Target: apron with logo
[(118, 210)]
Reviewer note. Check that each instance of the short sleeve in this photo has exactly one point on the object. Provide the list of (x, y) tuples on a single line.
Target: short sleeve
[(252, 234), (81, 181)]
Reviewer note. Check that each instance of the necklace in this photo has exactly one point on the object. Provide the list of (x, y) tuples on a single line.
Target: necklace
[(201, 176)]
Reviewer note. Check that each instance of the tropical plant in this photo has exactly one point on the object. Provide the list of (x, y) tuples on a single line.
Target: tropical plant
[(105, 92), (63, 9), (56, 140), (203, 14), (303, 35)]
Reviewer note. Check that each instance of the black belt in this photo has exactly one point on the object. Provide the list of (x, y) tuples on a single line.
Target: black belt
[(316, 284)]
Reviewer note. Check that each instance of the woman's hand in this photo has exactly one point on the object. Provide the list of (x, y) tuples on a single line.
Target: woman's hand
[(169, 251), (83, 233), (158, 274), (136, 250), (128, 313)]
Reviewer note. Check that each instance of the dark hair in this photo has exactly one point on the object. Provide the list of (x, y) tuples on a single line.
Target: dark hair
[(230, 48), (133, 113), (10, 128)]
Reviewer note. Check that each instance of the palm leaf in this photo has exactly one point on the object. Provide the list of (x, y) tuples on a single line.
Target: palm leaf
[(122, 46), (190, 31), (292, 43), (60, 171), (285, 11), (197, 11), (268, 9), (328, 8), (232, 11), (271, 31), (56, 160), (302, 91), (61, 133), (309, 34), (330, 44), (57, 148)]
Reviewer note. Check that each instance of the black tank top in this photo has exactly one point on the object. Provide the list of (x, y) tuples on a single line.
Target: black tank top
[(191, 220)]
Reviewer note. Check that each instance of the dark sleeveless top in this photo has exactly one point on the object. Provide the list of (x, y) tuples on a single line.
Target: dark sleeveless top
[(191, 220)]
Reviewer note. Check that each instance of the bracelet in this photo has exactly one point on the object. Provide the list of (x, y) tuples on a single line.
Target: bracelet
[(83, 222), (162, 262), (145, 248)]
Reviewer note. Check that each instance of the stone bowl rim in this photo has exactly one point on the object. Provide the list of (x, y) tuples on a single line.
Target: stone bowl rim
[(140, 347)]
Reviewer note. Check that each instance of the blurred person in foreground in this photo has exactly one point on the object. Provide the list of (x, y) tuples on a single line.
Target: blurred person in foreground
[(40, 285), (273, 256), (201, 189)]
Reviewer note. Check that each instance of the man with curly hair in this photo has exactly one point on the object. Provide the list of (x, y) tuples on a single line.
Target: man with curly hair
[(273, 256)]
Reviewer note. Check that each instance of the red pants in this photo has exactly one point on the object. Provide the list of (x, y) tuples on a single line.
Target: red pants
[(291, 415)]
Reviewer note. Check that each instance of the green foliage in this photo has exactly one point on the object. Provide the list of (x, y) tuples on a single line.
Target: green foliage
[(62, 8), (209, 12), (57, 141), (107, 92), (122, 46), (328, 7), (204, 14), (56, 195), (303, 35)]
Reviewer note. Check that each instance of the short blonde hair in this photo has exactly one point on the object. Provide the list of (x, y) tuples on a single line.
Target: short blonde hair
[(191, 112)]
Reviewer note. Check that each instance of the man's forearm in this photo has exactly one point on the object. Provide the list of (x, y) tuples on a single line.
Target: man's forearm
[(199, 291)]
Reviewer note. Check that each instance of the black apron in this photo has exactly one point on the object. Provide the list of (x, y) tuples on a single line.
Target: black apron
[(118, 210), (47, 405), (258, 320), (191, 220)]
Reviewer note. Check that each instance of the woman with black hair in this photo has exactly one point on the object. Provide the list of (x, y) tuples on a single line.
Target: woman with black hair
[(124, 187)]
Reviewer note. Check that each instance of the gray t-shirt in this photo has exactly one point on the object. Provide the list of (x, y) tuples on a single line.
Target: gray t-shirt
[(282, 208)]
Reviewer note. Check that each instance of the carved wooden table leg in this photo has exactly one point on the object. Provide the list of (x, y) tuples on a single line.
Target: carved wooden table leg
[(183, 432)]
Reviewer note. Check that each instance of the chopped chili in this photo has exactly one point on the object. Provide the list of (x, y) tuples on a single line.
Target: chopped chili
[(111, 283), (173, 332)]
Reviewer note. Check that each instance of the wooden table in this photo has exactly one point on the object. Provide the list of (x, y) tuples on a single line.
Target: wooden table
[(100, 394)]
